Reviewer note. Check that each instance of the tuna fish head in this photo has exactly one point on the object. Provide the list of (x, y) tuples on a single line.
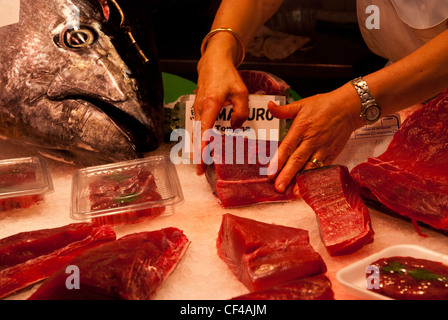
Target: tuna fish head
[(73, 87)]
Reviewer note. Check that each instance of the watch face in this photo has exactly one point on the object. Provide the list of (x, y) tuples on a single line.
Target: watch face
[(372, 112)]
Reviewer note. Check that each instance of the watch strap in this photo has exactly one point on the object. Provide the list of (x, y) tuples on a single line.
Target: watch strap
[(367, 99)]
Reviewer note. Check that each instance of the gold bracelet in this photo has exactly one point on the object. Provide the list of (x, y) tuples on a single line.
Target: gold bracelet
[(241, 49)]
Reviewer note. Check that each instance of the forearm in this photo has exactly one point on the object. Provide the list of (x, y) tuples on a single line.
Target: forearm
[(409, 81), (414, 79), (245, 18)]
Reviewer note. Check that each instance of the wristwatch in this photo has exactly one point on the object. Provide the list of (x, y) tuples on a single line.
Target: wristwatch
[(370, 110)]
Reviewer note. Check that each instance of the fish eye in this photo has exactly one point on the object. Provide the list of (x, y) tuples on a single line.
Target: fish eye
[(77, 38)]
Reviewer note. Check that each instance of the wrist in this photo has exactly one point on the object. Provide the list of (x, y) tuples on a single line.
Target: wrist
[(218, 53), (224, 41), (352, 105), (370, 110)]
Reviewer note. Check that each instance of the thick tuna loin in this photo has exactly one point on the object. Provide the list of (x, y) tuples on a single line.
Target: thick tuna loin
[(236, 177), (263, 255), (344, 219), (311, 288), (131, 268), (30, 257), (411, 177), (29, 245)]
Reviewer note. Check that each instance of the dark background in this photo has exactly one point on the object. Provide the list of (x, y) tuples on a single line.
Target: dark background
[(337, 53)]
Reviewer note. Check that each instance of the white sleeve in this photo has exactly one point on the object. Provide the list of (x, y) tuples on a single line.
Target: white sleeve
[(421, 14)]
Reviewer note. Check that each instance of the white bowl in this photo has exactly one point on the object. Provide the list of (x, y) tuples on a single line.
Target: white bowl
[(354, 275)]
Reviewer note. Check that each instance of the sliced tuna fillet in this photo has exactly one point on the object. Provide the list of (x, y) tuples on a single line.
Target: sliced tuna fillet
[(411, 176), (131, 268), (28, 245), (263, 255), (235, 177), (344, 220), (48, 254), (311, 288), (261, 82)]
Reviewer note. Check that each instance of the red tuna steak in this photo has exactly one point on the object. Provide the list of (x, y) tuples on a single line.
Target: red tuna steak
[(263, 255), (260, 82), (411, 176), (311, 288), (37, 255), (344, 219), (131, 268), (235, 176)]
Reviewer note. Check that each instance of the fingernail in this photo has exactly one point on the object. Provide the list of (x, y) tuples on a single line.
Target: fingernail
[(296, 191), (280, 187)]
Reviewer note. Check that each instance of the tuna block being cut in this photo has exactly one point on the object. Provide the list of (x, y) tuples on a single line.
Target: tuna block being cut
[(411, 177), (131, 268), (311, 288), (343, 218), (237, 178), (263, 255), (29, 257)]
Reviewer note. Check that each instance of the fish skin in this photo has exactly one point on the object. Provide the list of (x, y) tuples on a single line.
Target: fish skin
[(85, 106)]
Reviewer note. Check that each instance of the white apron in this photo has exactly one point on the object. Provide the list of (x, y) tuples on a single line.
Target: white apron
[(404, 25)]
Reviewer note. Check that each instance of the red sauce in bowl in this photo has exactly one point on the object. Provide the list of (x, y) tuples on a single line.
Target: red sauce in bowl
[(408, 278)]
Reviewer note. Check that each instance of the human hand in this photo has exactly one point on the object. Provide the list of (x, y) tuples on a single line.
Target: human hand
[(321, 128), (219, 84)]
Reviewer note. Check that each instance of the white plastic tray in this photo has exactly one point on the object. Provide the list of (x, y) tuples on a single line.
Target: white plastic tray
[(354, 275)]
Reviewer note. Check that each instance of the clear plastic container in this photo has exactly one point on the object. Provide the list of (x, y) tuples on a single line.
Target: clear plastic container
[(126, 192), (23, 182)]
